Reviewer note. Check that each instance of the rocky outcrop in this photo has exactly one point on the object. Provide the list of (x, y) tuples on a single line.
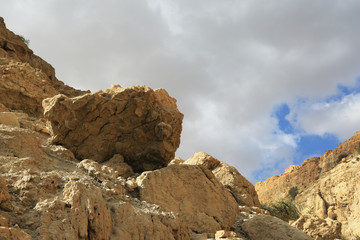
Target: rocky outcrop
[(327, 186), (17, 94), (277, 187), (141, 124), (336, 195), (318, 228), (193, 192), (26, 79), (46, 194), (242, 190)]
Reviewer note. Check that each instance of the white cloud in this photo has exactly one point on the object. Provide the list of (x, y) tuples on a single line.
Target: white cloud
[(339, 117), (228, 63)]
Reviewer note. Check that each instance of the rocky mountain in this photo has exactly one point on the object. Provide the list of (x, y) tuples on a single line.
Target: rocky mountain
[(82, 165), (327, 186)]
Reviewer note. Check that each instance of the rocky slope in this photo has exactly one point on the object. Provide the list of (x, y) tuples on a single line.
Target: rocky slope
[(328, 186), (99, 165)]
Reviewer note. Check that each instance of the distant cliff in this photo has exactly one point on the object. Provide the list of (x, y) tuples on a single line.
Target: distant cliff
[(328, 186)]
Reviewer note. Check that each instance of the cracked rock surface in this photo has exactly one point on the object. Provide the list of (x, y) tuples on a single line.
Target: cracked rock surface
[(141, 124)]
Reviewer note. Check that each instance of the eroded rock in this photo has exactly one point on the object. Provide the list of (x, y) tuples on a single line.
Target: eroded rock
[(192, 192), (141, 124), (243, 191), (318, 228)]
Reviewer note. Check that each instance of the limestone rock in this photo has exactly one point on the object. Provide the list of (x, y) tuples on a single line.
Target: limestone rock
[(243, 191), (176, 161), (17, 94), (224, 234), (118, 164), (192, 192), (318, 228), (267, 227), (49, 196), (336, 195), (89, 217), (331, 158), (277, 187), (139, 220), (141, 124)]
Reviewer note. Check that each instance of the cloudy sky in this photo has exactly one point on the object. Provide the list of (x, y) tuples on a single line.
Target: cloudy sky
[(262, 83)]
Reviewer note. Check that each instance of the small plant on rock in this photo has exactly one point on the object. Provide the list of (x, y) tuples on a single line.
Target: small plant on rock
[(285, 210), (26, 41), (344, 155), (293, 192)]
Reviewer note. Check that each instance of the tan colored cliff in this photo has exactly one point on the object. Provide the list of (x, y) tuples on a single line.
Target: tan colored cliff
[(328, 186)]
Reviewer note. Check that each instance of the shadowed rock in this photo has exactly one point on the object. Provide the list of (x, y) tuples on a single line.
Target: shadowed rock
[(141, 124)]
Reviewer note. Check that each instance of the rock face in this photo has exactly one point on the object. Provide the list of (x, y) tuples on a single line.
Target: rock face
[(141, 124), (193, 192), (277, 187), (46, 194), (318, 228), (17, 62), (242, 190), (328, 186)]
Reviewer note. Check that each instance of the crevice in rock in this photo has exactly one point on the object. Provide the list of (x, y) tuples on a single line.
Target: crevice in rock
[(326, 203)]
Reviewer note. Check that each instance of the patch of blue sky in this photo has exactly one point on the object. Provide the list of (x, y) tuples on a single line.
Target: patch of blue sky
[(344, 90), (308, 144), (280, 114), (312, 145)]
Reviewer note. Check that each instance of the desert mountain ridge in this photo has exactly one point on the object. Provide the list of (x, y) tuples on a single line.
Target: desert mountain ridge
[(81, 165)]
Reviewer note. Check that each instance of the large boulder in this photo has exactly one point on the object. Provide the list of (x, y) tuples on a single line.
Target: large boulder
[(243, 191), (141, 124), (194, 193), (267, 227)]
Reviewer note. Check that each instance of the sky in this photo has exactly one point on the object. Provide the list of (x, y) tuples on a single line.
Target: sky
[(263, 84)]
